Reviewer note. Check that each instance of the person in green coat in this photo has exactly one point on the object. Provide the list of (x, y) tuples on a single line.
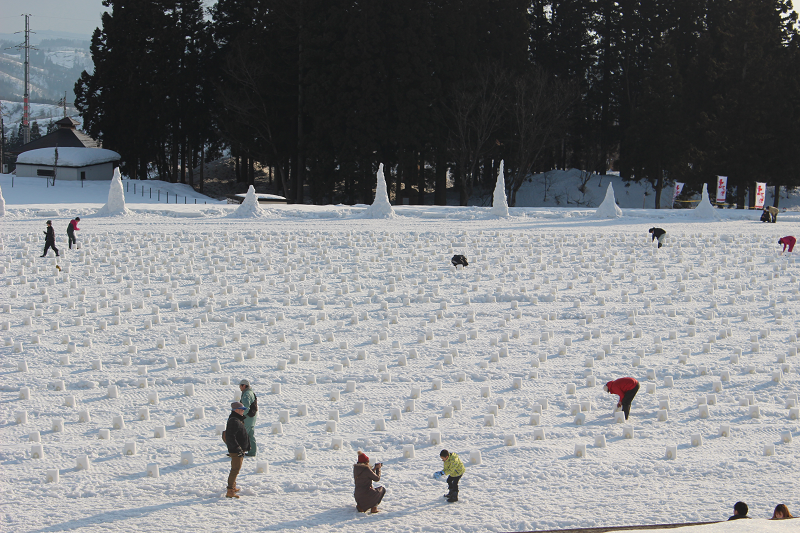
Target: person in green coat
[(251, 414), (454, 469)]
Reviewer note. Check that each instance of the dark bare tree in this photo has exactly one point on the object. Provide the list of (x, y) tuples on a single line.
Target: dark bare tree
[(539, 109), (473, 115), (247, 95)]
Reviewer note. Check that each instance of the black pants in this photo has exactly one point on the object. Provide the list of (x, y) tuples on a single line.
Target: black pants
[(627, 399), (48, 245), (72, 240), (452, 484)]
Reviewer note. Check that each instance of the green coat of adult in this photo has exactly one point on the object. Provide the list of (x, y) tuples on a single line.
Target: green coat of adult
[(248, 397)]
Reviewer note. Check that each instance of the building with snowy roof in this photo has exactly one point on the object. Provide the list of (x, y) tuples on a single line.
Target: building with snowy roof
[(65, 135), (68, 163)]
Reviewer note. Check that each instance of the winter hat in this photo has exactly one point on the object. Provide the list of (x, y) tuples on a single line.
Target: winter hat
[(237, 405), (244, 382), (362, 458)]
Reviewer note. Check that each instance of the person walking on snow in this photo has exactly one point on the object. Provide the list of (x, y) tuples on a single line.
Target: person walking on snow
[(658, 233), (787, 241), (238, 444), (367, 497), (251, 413), (50, 239), (626, 389), (72, 227), (454, 469)]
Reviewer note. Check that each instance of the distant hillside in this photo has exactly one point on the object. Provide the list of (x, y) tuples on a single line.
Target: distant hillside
[(55, 66)]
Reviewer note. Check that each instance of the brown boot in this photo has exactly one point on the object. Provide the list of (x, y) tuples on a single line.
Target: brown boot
[(360, 510), (374, 510), (231, 493), (236, 489)]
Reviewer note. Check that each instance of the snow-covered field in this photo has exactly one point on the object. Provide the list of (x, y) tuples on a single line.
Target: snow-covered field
[(143, 334)]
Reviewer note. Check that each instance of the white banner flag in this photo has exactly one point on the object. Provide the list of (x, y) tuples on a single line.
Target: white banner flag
[(722, 188), (761, 193), (678, 189)]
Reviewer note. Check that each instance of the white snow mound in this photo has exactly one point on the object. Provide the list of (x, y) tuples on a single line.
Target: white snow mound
[(704, 209), (380, 208), (609, 207), (249, 207), (2, 204), (116, 198), (499, 201)]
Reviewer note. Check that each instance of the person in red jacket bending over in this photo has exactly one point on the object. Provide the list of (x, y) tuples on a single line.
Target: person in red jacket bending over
[(787, 241), (626, 389)]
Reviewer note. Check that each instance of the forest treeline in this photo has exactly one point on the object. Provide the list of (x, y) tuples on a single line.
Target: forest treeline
[(318, 92)]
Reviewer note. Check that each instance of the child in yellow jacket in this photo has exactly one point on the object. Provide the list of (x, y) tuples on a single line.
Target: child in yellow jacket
[(454, 469)]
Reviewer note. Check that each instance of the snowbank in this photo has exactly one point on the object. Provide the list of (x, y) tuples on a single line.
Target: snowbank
[(116, 198), (2, 204), (609, 207), (380, 208), (499, 201), (68, 156)]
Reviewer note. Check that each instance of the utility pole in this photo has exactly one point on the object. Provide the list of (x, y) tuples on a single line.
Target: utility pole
[(26, 126), (2, 143), (63, 103)]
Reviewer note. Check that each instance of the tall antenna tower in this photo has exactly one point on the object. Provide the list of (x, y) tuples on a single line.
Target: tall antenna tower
[(26, 111)]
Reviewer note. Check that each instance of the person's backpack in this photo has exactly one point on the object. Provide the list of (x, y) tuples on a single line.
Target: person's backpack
[(253, 406), (459, 260)]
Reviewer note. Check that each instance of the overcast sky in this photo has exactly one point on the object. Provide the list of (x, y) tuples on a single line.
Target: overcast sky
[(73, 16)]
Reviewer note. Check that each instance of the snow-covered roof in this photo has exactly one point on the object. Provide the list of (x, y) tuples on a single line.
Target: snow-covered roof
[(262, 196), (68, 156)]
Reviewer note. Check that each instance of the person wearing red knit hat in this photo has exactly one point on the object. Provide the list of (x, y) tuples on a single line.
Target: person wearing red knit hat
[(367, 497), (626, 389)]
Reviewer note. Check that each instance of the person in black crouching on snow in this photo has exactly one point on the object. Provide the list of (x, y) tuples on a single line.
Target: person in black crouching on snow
[(367, 497), (659, 234), (238, 444), (50, 239)]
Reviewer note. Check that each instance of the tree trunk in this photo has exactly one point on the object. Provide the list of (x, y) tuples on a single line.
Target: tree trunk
[(776, 196), (659, 187), (202, 164), (183, 161), (192, 164), (300, 167), (236, 169), (440, 179), (420, 158)]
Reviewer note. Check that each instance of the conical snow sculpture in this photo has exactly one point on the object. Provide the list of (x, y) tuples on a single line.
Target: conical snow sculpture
[(499, 201), (609, 207), (380, 208), (116, 198), (704, 209), (249, 207), (2, 204)]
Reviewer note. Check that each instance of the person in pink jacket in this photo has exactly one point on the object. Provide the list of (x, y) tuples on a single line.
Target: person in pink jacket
[(71, 229), (787, 241)]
